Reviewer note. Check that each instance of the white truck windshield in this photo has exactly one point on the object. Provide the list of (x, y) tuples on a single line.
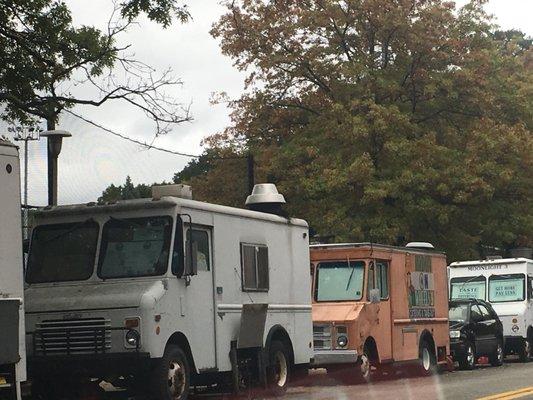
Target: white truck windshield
[(338, 281), (471, 287), (62, 252), (135, 247), (504, 288)]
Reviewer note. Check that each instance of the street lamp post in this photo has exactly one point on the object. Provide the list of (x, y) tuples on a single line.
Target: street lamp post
[(55, 140)]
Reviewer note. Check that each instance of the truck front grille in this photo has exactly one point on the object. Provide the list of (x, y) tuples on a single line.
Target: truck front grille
[(322, 337), (72, 336)]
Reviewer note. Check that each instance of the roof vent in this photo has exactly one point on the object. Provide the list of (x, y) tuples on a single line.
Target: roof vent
[(179, 190), (420, 245), (266, 198)]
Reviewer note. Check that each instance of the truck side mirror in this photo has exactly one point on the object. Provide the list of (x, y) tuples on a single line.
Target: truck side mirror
[(374, 295)]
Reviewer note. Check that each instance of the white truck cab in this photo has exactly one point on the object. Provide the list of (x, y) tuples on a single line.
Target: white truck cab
[(508, 285), (113, 293), (12, 346)]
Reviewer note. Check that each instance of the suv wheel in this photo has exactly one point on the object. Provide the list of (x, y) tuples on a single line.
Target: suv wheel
[(496, 359), (468, 361)]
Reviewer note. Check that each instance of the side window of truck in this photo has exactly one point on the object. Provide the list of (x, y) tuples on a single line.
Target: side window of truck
[(254, 267), (378, 278), (382, 278), (200, 244)]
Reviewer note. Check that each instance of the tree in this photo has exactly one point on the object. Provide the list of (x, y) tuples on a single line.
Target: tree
[(386, 120), (127, 191), (43, 56)]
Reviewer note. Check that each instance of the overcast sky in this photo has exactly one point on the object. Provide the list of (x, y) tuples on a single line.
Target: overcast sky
[(92, 159)]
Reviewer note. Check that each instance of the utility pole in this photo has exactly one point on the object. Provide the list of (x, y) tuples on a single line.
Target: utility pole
[(25, 135), (251, 175), (55, 141)]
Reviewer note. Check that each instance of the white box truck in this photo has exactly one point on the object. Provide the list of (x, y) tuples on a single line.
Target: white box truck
[(12, 346), (508, 285), (165, 294)]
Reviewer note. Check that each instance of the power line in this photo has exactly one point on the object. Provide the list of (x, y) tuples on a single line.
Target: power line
[(124, 137), (149, 146)]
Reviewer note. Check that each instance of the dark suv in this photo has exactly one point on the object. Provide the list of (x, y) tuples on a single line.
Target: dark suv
[(475, 331)]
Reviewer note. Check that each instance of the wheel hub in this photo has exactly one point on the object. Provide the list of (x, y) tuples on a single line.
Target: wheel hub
[(365, 365), (280, 369), (176, 380), (426, 359), (470, 356)]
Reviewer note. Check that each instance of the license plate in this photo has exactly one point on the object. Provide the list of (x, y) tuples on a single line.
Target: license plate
[(3, 380)]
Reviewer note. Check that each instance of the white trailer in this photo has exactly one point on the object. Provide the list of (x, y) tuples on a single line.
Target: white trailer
[(12, 346), (112, 293), (508, 285)]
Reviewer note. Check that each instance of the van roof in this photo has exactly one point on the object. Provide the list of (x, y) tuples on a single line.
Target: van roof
[(163, 203), (490, 262), (344, 246)]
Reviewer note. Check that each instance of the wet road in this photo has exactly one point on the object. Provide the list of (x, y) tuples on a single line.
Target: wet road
[(512, 380)]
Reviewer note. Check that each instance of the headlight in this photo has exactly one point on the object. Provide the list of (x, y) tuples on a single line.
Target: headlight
[(342, 340), (133, 338), (455, 334)]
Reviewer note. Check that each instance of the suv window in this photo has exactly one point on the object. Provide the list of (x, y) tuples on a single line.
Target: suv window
[(475, 313), (487, 315)]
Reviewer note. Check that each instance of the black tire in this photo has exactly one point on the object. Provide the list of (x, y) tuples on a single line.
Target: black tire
[(172, 376), (364, 366), (426, 358), (524, 354), (496, 358), (468, 359), (279, 368)]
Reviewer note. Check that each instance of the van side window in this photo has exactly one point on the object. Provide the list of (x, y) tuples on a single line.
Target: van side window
[(382, 279), (254, 267), (475, 314), (200, 244)]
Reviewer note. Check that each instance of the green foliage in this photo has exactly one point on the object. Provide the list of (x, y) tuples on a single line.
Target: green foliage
[(386, 120), (43, 55), (127, 191), (160, 11)]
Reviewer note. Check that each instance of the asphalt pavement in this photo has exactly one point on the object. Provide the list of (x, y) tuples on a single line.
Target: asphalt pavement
[(510, 381)]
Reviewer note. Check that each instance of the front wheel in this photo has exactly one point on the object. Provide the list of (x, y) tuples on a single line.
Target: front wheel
[(468, 360), (279, 369), (171, 378), (496, 359)]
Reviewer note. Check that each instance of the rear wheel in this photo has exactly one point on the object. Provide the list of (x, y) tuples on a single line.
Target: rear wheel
[(496, 358), (468, 360), (525, 351), (427, 359), (171, 378), (279, 369)]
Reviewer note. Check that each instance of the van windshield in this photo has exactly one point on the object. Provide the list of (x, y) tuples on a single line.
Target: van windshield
[(62, 252), (469, 287), (338, 281), (503, 288), (135, 247), (458, 312)]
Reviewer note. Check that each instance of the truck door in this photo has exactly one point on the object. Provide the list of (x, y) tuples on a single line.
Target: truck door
[(200, 299), (378, 277)]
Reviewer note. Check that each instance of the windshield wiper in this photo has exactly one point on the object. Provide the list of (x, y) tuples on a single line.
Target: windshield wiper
[(351, 274), (74, 228)]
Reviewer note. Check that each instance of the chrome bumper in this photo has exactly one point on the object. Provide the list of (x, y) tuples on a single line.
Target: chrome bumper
[(330, 357)]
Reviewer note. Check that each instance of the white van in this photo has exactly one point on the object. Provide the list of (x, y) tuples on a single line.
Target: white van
[(12, 346), (508, 285), (113, 294)]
